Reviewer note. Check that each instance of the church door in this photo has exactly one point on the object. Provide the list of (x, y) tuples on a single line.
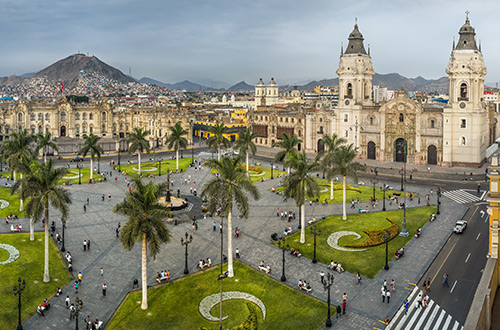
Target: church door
[(321, 145), (63, 131), (400, 150), (371, 150), (432, 155)]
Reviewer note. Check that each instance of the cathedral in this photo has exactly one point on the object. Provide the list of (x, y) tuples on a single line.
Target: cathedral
[(401, 129)]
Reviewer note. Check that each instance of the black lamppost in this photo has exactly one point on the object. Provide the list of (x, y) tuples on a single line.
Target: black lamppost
[(374, 181), (438, 201), (327, 284), (159, 166), (186, 243), (383, 188), (78, 308), (272, 167), (119, 167), (18, 289), (98, 165), (386, 238), (401, 172), (168, 186), (80, 173), (315, 232), (281, 245), (63, 227)]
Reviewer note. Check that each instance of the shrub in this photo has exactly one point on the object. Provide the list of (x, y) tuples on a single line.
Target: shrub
[(376, 237)]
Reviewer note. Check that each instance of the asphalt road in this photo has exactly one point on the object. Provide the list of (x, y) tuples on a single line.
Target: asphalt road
[(463, 257)]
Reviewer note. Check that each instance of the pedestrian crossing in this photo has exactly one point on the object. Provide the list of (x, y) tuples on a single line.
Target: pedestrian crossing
[(461, 196), (433, 317)]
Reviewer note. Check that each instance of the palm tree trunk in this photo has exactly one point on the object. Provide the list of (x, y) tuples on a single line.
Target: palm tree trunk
[(91, 168), (344, 214), (177, 158), (139, 162), (144, 304), (331, 189), (32, 229), (248, 174), (230, 243), (218, 152), (14, 177), (46, 277), (21, 204), (303, 223), (44, 156)]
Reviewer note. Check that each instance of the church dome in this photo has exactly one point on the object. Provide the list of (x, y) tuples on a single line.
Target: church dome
[(272, 83), (355, 45), (467, 39), (260, 83)]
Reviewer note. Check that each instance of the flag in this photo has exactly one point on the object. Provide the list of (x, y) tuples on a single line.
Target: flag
[(62, 86)]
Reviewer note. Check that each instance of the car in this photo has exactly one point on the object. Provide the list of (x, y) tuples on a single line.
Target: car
[(77, 159), (460, 226)]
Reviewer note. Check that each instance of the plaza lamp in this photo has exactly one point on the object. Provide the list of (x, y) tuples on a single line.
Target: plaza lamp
[(327, 284), (315, 232), (186, 243), (18, 289), (281, 245)]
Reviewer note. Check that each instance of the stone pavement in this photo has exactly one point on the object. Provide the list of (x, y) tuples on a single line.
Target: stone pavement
[(121, 267)]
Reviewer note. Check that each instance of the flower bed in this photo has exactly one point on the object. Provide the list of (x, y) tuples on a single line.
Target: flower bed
[(376, 237)]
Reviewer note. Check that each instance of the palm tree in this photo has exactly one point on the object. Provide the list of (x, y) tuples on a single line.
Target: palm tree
[(177, 140), (227, 190), (299, 184), (217, 138), (91, 147), (344, 164), (145, 223), (326, 156), (44, 142), (288, 146), (42, 185), (137, 143), (245, 143), (19, 153)]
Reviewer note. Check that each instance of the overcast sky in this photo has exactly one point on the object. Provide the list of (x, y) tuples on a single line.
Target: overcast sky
[(292, 40)]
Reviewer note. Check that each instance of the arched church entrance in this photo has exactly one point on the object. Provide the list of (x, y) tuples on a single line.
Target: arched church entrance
[(432, 155), (371, 150), (63, 131), (400, 150), (321, 145)]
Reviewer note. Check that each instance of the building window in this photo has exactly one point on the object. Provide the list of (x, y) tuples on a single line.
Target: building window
[(33, 131), (346, 133), (371, 120), (40, 116), (464, 94), (63, 116), (401, 118), (19, 117), (300, 133), (463, 123), (32, 117), (321, 120), (346, 118), (47, 116), (103, 128), (84, 116), (121, 127), (6, 130), (46, 129), (463, 141), (103, 116), (19, 129), (349, 91), (40, 129), (84, 128), (91, 129), (321, 130), (432, 123), (77, 116), (77, 130), (91, 116)]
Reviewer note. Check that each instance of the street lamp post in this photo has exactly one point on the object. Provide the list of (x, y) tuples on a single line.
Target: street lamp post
[(159, 166), (374, 181), (383, 188), (272, 167), (315, 232), (18, 289), (327, 285), (63, 227), (438, 201), (186, 243), (119, 167), (80, 173), (386, 237), (168, 186), (401, 172), (78, 308), (281, 245), (98, 165)]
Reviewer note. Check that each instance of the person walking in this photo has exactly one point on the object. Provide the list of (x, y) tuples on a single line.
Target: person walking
[(104, 288), (392, 286), (322, 275), (88, 245), (445, 280), (84, 208), (80, 276), (237, 253), (84, 245), (102, 272), (358, 279), (76, 286), (214, 226), (344, 305), (382, 291), (339, 311), (388, 295), (220, 227), (68, 302), (406, 305), (88, 201), (71, 312), (429, 284), (102, 197)]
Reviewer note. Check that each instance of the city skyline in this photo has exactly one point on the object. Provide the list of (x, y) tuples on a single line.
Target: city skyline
[(229, 42)]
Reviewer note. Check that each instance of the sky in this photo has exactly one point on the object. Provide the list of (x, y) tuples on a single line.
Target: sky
[(294, 41)]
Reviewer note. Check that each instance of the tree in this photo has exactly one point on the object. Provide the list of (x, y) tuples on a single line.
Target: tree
[(245, 143), (91, 147), (137, 143), (42, 185), (177, 140), (44, 142), (19, 153), (217, 138), (288, 145), (344, 164), (229, 189), (144, 224), (325, 157), (299, 184)]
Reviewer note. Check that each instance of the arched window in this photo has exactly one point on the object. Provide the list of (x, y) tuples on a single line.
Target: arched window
[(464, 93), (32, 117), (47, 116), (371, 120), (77, 129), (321, 120), (77, 116), (47, 129), (349, 90), (463, 141), (91, 116), (40, 116), (33, 130), (114, 127), (84, 116), (103, 128), (103, 116), (63, 116), (321, 130), (300, 133), (121, 127), (91, 129), (401, 118), (40, 129), (19, 129), (84, 128), (19, 117)]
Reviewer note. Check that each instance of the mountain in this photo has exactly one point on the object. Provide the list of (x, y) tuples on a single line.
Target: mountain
[(11, 80), (154, 82), (241, 86), (67, 70), (27, 75)]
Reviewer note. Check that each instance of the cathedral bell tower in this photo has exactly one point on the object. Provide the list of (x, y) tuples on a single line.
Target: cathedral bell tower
[(355, 72), (465, 126)]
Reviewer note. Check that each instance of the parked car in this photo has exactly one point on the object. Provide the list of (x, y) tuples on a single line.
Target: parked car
[(77, 159), (460, 226)]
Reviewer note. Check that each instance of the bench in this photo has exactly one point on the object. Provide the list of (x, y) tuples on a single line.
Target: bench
[(18, 228), (265, 269), (305, 288), (363, 210)]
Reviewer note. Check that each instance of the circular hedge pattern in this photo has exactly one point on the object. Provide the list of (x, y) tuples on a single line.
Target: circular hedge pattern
[(4, 204), (13, 253), (207, 303)]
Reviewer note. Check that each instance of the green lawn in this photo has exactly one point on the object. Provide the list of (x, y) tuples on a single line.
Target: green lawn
[(175, 305), (14, 204), (72, 175), (29, 267), (259, 172), (146, 168), (372, 260)]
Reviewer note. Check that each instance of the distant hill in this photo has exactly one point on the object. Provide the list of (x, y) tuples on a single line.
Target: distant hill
[(68, 69), (11, 80), (241, 86)]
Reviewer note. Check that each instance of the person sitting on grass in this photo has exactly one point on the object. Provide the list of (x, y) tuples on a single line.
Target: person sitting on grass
[(300, 284), (58, 292), (330, 266), (339, 268), (308, 287)]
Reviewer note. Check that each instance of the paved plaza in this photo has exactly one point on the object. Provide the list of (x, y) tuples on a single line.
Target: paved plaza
[(121, 267)]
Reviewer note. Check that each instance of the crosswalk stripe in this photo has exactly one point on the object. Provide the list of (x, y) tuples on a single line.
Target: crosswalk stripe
[(460, 196), (439, 320), (456, 326), (447, 323), (415, 316), (432, 317), (423, 317)]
